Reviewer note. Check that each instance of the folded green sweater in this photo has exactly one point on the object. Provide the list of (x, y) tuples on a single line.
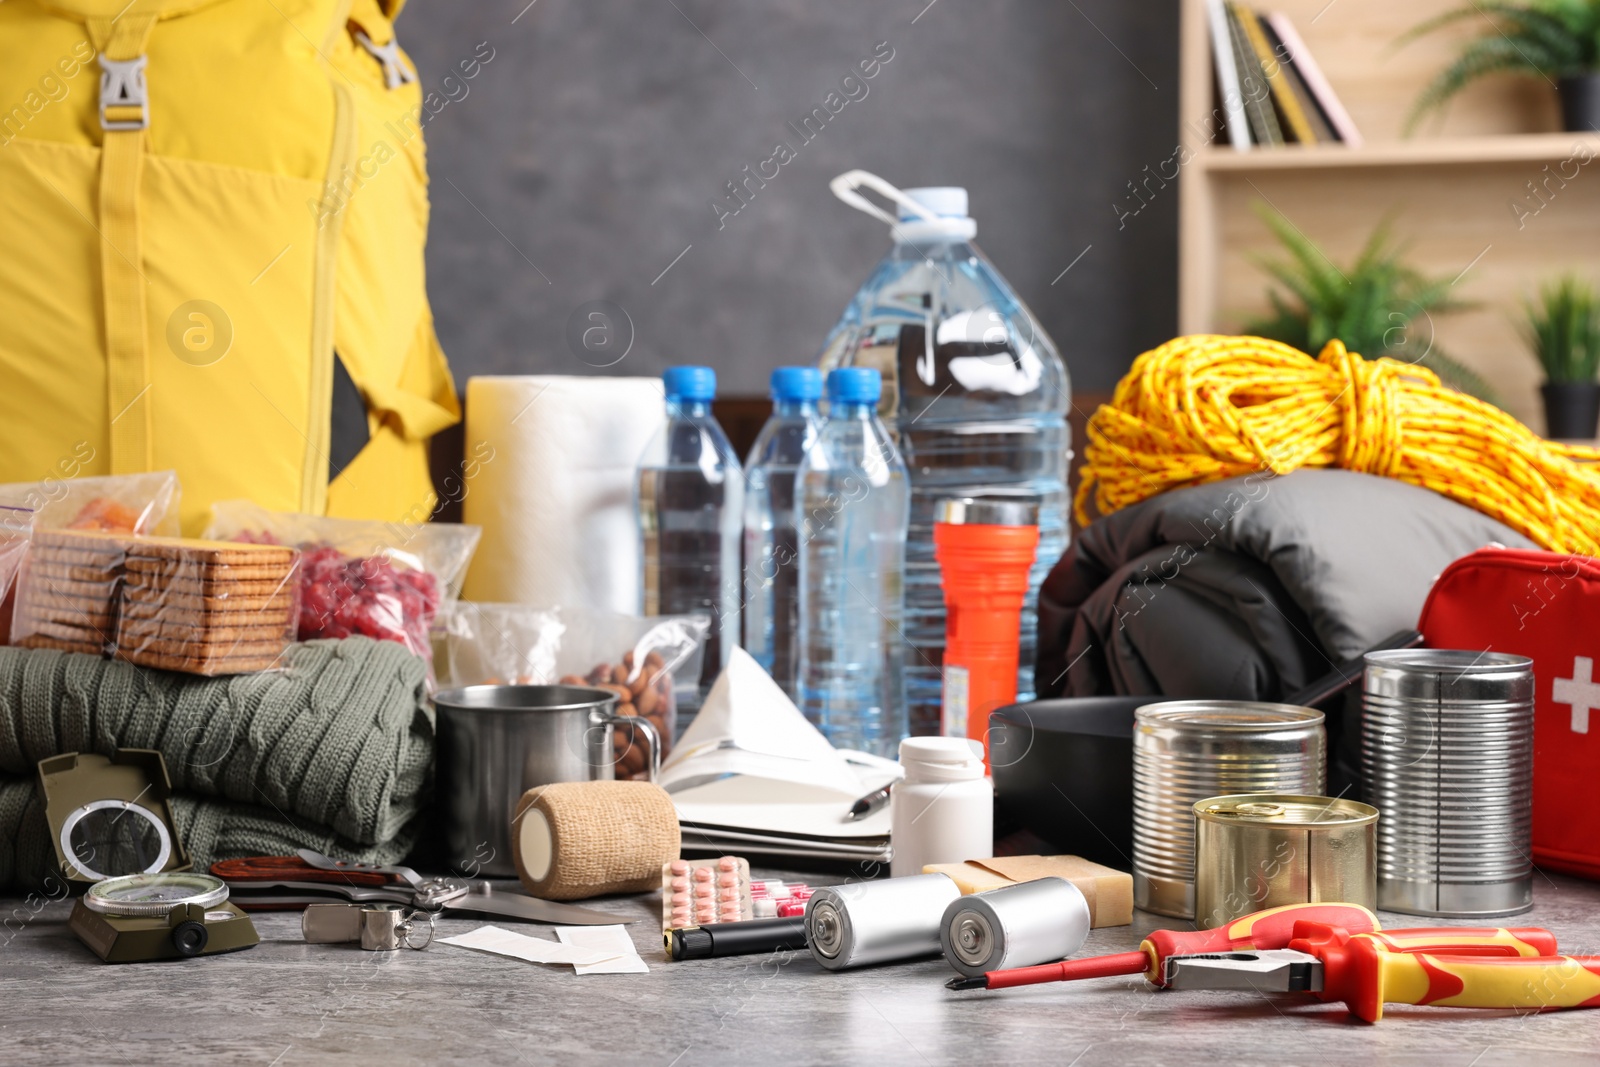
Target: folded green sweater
[(342, 737)]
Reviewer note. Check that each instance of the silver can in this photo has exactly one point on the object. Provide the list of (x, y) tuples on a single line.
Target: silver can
[(1264, 850), (1189, 750), (1447, 756), (862, 923), (1014, 926)]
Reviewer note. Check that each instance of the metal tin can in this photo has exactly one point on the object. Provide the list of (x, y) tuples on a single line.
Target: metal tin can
[(1188, 750), (1263, 850), (1447, 756), (1014, 926), (862, 923)]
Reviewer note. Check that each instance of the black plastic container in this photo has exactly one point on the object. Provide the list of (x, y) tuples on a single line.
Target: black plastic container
[(1063, 769)]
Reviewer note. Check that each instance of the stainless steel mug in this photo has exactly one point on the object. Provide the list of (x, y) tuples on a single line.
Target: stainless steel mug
[(498, 741)]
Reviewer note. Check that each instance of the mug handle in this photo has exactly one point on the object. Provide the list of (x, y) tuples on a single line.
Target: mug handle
[(639, 722)]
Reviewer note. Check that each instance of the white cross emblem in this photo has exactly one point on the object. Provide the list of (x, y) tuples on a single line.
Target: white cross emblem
[(1581, 691)]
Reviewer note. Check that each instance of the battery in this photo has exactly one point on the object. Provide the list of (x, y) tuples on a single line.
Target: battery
[(1255, 851), (1014, 926), (862, 923)]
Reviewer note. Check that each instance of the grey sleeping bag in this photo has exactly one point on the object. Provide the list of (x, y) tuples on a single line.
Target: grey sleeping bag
[(1248, 588)]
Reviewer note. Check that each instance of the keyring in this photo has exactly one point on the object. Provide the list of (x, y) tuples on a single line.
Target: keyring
[(409, 927)]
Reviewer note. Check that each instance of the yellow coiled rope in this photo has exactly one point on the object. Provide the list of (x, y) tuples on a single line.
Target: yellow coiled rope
[(1203, 408)]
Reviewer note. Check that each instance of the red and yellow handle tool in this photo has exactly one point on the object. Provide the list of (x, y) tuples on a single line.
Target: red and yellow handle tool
[(1425, 967), (1273, 928)]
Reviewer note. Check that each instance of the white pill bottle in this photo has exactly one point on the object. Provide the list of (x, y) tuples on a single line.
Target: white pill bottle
[(944, 808)]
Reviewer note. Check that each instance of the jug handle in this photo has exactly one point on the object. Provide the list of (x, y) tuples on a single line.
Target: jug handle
[(846, 184), (639, 722)]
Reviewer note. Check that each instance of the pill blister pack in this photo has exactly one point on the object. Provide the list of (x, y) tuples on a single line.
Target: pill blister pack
[(775, 899), (701, 892), (721, 890)]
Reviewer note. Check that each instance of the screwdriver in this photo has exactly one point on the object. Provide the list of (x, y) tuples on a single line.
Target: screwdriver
[(1273, 928)]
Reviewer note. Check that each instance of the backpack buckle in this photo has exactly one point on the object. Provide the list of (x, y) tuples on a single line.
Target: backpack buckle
[(395, 71), (124, 101)]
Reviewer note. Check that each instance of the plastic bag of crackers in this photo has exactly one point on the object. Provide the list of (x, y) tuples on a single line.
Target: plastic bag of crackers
[(179, 604), (67, 499), (636, 658)]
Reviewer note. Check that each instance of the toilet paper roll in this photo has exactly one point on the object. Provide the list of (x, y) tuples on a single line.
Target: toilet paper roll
[(584, 839), (555, 496)]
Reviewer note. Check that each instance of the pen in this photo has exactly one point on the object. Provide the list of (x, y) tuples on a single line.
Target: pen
[(870, 803)]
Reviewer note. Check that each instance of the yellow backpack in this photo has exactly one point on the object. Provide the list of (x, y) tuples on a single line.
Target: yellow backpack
[(211, 211)]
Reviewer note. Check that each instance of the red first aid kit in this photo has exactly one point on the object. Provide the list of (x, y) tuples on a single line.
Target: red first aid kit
[(1546, 606)]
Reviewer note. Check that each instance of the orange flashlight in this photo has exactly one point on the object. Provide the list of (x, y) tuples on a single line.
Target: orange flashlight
[(985, 549)]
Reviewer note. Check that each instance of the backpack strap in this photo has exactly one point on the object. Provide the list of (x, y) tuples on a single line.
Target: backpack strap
[(124, 115)]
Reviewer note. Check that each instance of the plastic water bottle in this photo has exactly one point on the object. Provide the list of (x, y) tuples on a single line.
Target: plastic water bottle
[(771, 559), (852, 504), (973, 390), (690, 505)]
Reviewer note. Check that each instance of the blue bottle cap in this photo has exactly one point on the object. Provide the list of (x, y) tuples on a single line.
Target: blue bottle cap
[(854, 385), (690, 383), (796, 383)]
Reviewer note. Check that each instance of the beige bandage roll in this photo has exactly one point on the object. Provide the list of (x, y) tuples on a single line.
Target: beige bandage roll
[(585, 839)]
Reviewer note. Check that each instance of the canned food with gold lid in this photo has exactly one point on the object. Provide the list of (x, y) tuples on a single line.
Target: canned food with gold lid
[(1264, 850)]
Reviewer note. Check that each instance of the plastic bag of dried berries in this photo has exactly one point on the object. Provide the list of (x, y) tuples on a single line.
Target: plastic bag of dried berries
[(387, 581), (637, 658)]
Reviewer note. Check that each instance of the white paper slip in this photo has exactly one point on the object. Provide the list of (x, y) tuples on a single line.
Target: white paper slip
[(501, 942), (612, 943)]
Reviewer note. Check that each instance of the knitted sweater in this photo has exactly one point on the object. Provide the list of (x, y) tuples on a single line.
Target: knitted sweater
[(332, 752)]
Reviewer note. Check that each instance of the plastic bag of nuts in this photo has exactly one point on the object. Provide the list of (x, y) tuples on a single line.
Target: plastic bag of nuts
[(647, 693), (636, 658)]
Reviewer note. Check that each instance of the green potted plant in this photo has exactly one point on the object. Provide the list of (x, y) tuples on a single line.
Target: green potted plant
[(1376, 305), (1563, 329), (1557, 40)]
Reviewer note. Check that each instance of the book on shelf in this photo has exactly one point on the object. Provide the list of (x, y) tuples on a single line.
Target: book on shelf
[(1253, 86), (1273, 92), (1318, 129), (1316, 83), (1227, 76), (1277, 76)]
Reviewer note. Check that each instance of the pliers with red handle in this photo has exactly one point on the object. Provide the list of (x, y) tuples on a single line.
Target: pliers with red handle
[(1446, 967)]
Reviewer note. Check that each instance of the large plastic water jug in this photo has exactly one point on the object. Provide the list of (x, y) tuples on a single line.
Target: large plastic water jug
[(974, 392)]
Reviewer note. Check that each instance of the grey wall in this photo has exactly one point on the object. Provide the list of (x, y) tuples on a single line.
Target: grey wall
[(586, 153)]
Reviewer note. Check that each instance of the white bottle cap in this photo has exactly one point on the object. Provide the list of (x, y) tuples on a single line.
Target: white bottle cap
[(949, 201), (941, 759)]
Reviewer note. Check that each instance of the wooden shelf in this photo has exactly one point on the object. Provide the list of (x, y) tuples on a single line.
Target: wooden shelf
[(1457, 151), (1484, 198)]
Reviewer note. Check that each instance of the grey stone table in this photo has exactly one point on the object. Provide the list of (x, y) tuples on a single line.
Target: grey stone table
[(286, 1003)]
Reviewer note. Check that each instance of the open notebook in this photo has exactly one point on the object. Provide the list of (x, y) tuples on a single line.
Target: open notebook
[(751, 775)]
